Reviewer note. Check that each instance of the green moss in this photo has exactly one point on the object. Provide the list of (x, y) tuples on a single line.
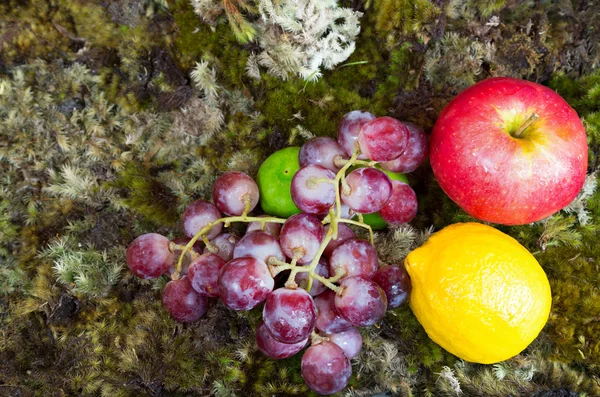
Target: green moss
[(195, 41), (38, 29), (406, 19), (460, 54), (146, 196), (316, 106), (584, 95)]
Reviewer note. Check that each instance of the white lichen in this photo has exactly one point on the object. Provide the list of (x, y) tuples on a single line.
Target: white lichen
[(303, 36), (447, 376), (84, 269), (579, 204), (208, 10), (297, 37)]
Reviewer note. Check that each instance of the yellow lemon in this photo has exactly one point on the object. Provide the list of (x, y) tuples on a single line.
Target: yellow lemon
[(478, 293)]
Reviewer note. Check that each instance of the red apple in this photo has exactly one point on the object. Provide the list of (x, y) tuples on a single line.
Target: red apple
[(509, 151)]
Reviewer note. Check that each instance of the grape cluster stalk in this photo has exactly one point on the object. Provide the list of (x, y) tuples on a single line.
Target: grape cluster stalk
[(334, 218), (335, 281)]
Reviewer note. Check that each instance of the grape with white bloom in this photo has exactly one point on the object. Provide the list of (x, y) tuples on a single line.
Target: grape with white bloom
[(149, 256), (321, 151), (325, 368), (395, 282), (350, 341), (355, 258), (312, 190), (204, 274), (383, 139), (259, 244), (234, 192), (289, 315), (183, 303), (328, 318), (271, 227), (361, 302), (369, 190), (224, 243), (301, 236), (415, 153), (244, 283), (402, 205), (198, 215), (271, 347), (349, 128)]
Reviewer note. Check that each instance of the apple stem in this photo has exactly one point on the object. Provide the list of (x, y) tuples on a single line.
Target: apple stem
[(527, 123)]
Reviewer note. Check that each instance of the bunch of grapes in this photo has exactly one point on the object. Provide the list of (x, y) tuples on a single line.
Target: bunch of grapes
[(317, 280)]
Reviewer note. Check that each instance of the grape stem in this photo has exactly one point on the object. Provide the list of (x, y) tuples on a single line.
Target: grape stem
[(328, 282), (209, 246), (361, 224), (275, 265), (173, 247), (340, 162), (341, 176), (334, 217), (315, 338), (313, 182), (203, 235), (291, 281)]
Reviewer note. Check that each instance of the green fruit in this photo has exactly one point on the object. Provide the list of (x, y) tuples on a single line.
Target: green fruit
[(375, 220), (274, 180), (395, 176)]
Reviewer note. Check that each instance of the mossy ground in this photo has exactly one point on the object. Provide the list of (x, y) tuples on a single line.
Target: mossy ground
[(95, 150)]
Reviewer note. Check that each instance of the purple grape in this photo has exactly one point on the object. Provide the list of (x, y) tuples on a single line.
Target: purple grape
[(259, 244), (321, 151), (328, 319), (350, 341), (356, 257), (346, 212), (149, 256), (225, 243), (271, 347), (204, 274), (185, 265), (231, 190), (301, 233), (317, 287), (271, 227), (402, 205), (383, 139), (349, 128), (361, 302), (394, 281), (289, 315), (309, 195), (370, 189), (415, 153), (244, 283), (199, 214), (325, 368), (344, 233), (182, 302)]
